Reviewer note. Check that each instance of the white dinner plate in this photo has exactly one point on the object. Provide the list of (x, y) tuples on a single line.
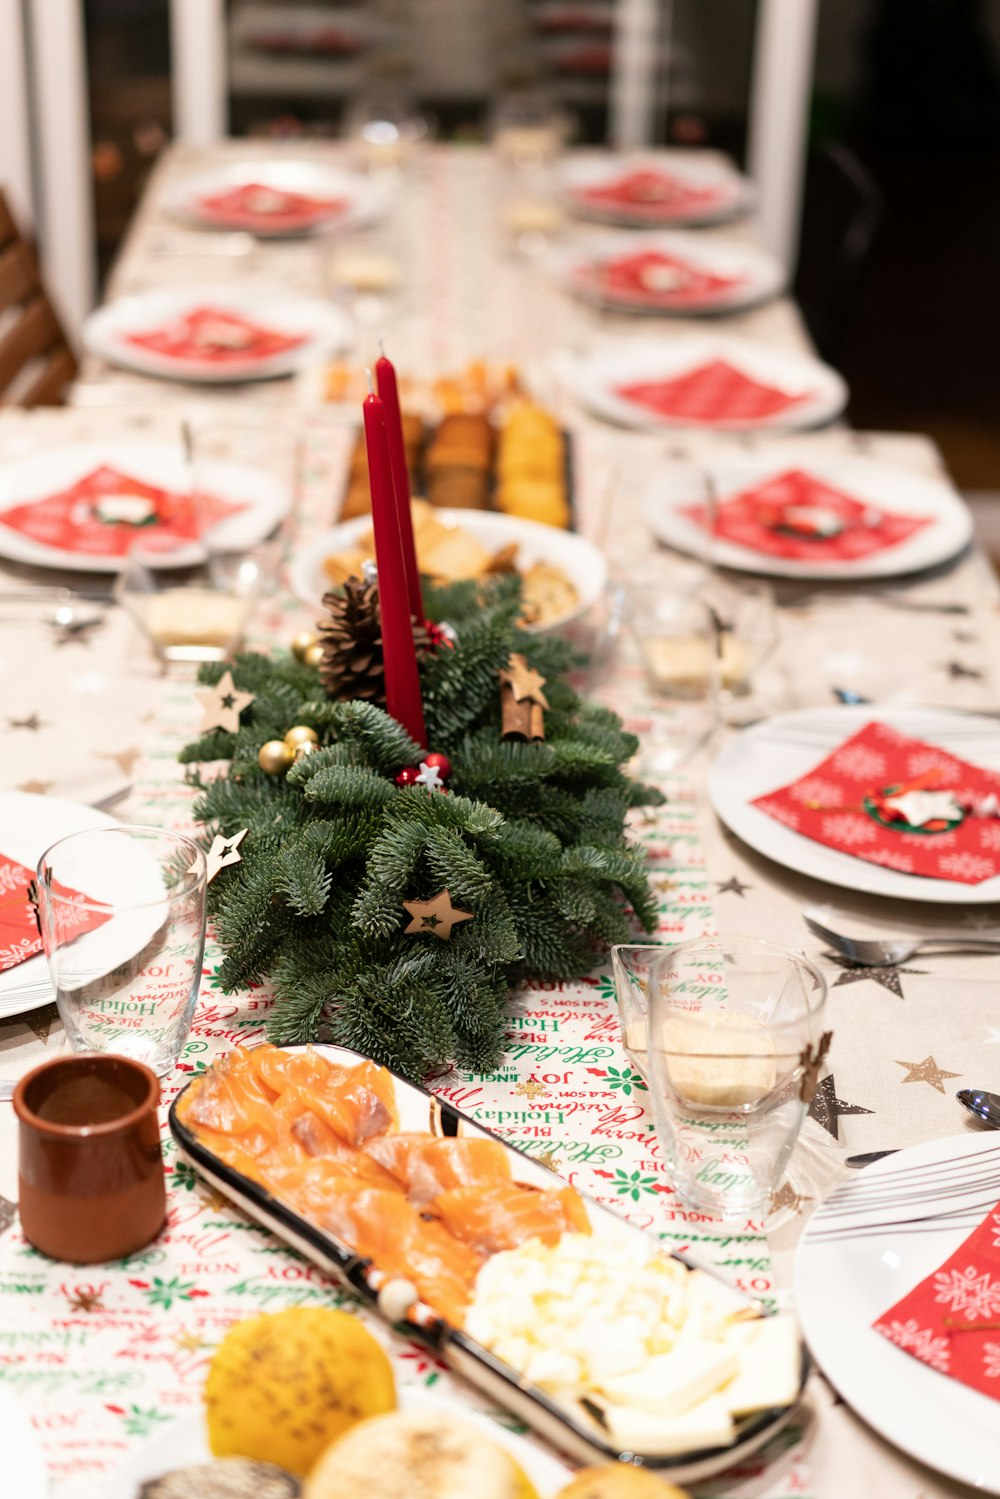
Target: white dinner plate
[(582, 562), (781, 749), (185, 1441), (597, 381), (324, 331), (28, 826), (867, 1246), (884, 486), (757, 275), (733, 198), (362, 199), (24, 1475), (25, 479)]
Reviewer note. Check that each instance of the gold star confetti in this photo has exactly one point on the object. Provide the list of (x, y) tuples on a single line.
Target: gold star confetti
[(926, 1071), (35, 788), (437, 916), (223, 704), (787, 1197), (549, 1160), (125, 759), (524, 682), (530, 1089), (224, 851), (189, 1342), (86, 1300)]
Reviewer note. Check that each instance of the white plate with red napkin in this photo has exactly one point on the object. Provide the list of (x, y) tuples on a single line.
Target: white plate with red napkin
[(818, 518), (682, 274), (216, 334), (882, 798), (82, 507), (29, 825), (891, 1277), (655, 190), (714, 382), (276, 199)]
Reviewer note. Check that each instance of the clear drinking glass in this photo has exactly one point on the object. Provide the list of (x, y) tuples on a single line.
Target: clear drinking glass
[(679, 642), (732, 1025), (122, 917)]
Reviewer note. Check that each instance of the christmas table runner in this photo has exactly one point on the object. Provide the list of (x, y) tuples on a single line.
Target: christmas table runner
[(898, 802), (797, 515)]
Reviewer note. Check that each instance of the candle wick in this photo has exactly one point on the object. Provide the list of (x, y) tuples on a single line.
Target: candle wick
[(381, 344), (371, 387)]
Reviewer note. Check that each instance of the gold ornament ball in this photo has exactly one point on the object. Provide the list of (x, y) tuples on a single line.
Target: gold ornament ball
[(301, 733), (306, 747), (274, 757), (301, 643), (314, 654)]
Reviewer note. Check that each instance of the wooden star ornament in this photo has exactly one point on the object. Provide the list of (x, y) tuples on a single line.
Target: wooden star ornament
[(436, 916), (222, 705), (223, 852), (523, 681)]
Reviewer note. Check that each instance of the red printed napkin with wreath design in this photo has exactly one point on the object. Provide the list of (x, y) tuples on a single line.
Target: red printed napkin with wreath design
[(19, 936), (796, 515), (898, 802), (951, 1320)]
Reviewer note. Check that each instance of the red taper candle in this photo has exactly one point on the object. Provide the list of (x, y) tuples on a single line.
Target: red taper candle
[(385, 376), (402, 682)]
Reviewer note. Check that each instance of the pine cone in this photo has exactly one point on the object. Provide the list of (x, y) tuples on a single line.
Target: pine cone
[(351, 637)]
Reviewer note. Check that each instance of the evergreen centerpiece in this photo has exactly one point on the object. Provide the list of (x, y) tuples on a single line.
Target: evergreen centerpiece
[(394, 913)]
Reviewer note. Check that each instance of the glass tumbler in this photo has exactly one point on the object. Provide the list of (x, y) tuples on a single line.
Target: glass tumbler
[(679, 642), (733, 1035), (122, 917)]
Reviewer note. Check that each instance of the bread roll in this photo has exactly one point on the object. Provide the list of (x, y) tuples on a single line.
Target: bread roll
[(617, 1481)]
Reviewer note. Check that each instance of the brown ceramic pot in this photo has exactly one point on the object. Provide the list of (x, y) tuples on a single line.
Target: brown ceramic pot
[(91, 1174)]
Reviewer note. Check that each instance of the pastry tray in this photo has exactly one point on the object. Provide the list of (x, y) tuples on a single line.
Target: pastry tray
[(558, 1423)]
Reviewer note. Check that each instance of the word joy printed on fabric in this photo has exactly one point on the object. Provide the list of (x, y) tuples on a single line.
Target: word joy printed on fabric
[(898, 802), (951, 1320), (796, 515)]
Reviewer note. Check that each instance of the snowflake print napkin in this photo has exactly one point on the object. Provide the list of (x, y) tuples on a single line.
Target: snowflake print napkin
[(784, 516), (652, 278), (716, 392), (19, 937), (210, 336), (653, 194), (255, 205), (951, 1320), (899, 802)]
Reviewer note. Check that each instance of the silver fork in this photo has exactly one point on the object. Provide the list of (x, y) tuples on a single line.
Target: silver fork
[(871, 952)]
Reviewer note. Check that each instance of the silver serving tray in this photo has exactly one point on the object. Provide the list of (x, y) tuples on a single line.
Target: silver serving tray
[(560, 1424)]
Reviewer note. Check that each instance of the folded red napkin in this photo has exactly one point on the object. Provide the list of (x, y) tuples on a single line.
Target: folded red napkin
[(712, 392), (794, 514), (899, 802), (255, 205), (654, 279), (951, 1320), (653, 194), (215, 337), (103, 513), (19, 937)]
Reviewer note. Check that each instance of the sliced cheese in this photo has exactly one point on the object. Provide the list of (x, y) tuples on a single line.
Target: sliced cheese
[(707, 1424), (671, 1383), (769, 1359)]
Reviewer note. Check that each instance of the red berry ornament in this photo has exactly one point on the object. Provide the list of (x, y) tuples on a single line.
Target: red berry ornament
[(440, 762), (408, 776)]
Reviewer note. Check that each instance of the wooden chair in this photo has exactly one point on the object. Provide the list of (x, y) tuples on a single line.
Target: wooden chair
[(36, 361)]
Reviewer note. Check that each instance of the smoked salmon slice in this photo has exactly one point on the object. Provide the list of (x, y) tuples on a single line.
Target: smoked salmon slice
[(502, 1217), (426, 1166)]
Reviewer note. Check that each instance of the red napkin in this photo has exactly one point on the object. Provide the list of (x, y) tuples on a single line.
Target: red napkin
[(92, 516), (937, 1321), (713, 392), (633, 279), (209, 336), (19, 938), (776, 515), (899, 802), (654, 194), (329, 40), (255, 205)]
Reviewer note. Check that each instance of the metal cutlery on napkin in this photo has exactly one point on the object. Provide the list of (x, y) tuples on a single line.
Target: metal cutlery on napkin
[(872, 952)]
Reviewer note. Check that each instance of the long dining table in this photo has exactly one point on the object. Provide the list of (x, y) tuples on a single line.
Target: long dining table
[(103, 1357)]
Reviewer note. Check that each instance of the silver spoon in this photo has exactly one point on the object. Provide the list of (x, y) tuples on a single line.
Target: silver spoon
[(985, 1106), (7, 1086)]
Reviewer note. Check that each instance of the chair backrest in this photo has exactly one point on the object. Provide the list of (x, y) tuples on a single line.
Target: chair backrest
[(841, 215), (36, 361)]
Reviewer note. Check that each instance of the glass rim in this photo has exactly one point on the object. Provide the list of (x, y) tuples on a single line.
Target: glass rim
[(191, 880), (815, 1000)]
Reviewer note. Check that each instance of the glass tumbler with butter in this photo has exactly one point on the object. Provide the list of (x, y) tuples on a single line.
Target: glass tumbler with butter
[(679, 642), (733, 1028)]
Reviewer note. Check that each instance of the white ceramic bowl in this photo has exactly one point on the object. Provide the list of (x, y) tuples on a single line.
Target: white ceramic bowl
[(579, 559)]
